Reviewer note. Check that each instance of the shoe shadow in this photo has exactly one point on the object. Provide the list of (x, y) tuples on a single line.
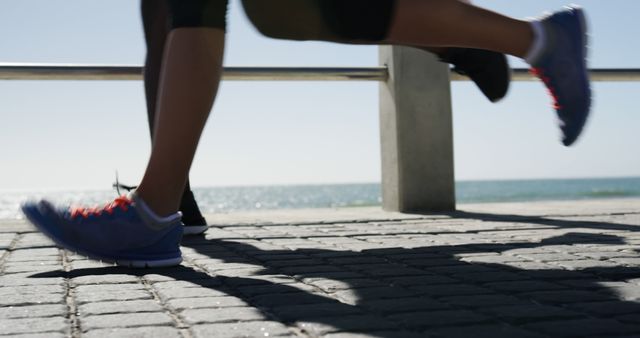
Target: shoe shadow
[(442, 290)]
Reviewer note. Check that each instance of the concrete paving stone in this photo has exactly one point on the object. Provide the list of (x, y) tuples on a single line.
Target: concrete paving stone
[(420, 280), (250, 272), (463, 269), (33, 311), (105, 279), (136, 332), (28, 279), (242, 330), (32, 325), (222, 315), (584, 264), (354, 296), (483, 277), (40, 335), (565, 296), (528, 313), (607, 308), (481, 301), (280, 256), (287, 299), (231, 266), (555, 273), (416, 255), (395, 272), (621, 290), (631, 261), (378, 334), (336, 275), (260, 280), (615, 272), (20, 268), (582, 284), (294, 262), (187, 284), (125, 295), (483, 331), (290, 313), (32, 289), (445, 290), (328, 285), (606, 255), (350, 323), (583, 327), (421, 319), (179, 273), (632, 318), (360, 259), (175, 293), (31, 299), (551, 257), (523, 286), (206, 302), (22, 259), (394, 306), (132, 306), (310, 270), (85, 289), (121, 320), (269, 289), (35, 252)]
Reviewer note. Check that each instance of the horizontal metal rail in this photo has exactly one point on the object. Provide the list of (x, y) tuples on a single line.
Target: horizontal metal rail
[(33, 71)]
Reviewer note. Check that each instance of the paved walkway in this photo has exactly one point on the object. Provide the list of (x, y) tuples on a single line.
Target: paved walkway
[(510, 270)]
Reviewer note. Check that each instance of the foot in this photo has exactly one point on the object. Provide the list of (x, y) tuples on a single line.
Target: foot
[(120, 232), (488, 70), (194, 222), (563, 68)]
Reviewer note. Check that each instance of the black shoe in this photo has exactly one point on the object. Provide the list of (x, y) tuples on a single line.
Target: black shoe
[(488, 70), (194, 222)]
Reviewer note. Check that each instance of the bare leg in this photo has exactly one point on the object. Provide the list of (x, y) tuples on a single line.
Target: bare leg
[(155, 17), (189, 81), (448, 23)]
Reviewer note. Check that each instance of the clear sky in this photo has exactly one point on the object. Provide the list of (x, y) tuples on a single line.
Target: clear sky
[(75, 134)]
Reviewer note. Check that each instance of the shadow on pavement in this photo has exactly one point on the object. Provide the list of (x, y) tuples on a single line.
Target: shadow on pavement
[(445, 291)]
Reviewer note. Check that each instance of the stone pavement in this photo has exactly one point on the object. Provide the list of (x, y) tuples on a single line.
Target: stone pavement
[(499, 270)]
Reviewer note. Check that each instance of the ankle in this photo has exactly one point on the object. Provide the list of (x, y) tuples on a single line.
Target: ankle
[(158, 206)]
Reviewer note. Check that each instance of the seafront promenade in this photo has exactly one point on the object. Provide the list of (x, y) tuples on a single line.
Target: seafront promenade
[(546, 269)]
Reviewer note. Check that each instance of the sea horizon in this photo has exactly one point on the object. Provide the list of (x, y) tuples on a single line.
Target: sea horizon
[(228, 199)]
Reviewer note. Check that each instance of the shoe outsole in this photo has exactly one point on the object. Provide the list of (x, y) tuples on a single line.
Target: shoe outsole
[(32, 217), (191, 230)]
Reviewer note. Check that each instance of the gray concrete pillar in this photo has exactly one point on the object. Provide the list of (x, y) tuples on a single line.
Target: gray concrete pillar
[(416, 132)]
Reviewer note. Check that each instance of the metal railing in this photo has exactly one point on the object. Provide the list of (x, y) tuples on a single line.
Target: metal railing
[(41, 71), (416, 129)]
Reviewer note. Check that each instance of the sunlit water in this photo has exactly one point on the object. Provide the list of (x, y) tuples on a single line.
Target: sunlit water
[(232, 199)]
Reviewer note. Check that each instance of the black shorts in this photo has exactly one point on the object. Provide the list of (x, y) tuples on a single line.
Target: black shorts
[(326, 20)]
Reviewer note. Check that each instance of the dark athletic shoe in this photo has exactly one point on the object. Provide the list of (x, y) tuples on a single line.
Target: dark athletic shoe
[(117, 233), (488, 70), (194, 222), (563, 69)]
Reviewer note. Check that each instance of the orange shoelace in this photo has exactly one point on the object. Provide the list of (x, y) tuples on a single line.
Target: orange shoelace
[(538, 72), (121, 202)]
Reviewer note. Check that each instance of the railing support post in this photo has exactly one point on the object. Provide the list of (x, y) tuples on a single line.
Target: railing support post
[(416, 132)]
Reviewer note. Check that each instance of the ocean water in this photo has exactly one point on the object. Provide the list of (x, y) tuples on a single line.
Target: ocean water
[(233, 199)]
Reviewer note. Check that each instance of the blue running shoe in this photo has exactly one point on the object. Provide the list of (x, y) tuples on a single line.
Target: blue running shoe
[(562, 67), (117, 233)]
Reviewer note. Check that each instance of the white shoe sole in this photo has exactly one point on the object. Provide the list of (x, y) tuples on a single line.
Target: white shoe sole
[(195, 229)]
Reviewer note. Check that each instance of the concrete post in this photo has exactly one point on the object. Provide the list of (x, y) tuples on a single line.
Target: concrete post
[(416, 132)]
